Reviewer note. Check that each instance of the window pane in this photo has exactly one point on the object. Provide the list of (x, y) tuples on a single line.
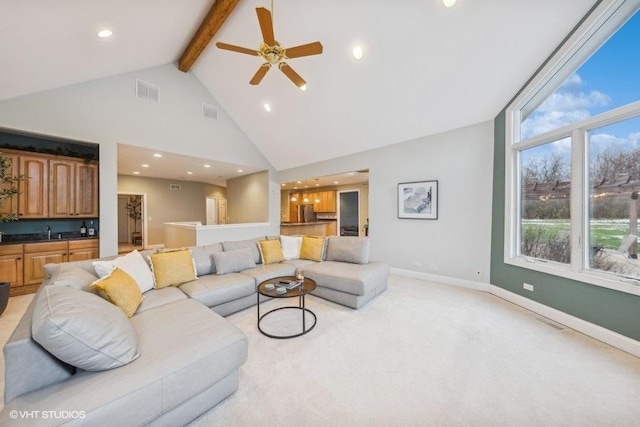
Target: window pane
[(607, 80), (545, 176), (614, 169)]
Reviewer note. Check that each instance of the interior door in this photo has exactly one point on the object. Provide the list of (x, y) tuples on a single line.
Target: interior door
[(212, 211), (123, 220), (349, 213)]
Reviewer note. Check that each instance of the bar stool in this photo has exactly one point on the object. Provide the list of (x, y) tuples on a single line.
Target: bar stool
[(136, 237)]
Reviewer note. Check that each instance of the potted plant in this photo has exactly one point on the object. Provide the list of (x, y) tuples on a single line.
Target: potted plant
[(134, 208)]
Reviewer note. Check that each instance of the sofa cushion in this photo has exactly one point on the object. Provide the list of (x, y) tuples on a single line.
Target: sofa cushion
[(82, 329), (265, 272), (157, 297), (172, 268), (233, 261), (270, 251), (214, 289), (73, 277), (348, 249), (356, 279), (120, 289), (133, 264), (312, 248), (252, 244), (202, 257), (291, 246), (185, 349)]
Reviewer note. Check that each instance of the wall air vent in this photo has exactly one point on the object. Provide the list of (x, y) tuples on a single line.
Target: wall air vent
[(175, 187), (209, 112), (147, 91)]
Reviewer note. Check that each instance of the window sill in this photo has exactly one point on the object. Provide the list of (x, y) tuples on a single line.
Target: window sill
[(603, 280)]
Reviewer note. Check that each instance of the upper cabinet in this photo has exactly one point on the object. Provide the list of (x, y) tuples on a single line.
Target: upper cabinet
[(58, 187), (10, 204), (73, 189), (324, 201), (33, 200)]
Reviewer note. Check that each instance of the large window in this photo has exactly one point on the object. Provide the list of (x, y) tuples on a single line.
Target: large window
[(573, 156)]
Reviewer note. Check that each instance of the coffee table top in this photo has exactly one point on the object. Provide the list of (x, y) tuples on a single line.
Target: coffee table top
[(307, 287)]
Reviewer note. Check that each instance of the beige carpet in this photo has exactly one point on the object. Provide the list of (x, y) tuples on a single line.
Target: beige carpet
[(424, 354)]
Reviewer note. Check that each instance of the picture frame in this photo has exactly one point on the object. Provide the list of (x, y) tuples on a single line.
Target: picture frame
[(418, 200)]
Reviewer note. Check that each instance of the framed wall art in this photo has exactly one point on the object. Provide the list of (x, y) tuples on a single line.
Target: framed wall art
[(418, 200)]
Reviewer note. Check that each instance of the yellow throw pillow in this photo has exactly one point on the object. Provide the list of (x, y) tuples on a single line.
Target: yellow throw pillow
[(312, 248), (173, 268), (120, 289), (270, 251)]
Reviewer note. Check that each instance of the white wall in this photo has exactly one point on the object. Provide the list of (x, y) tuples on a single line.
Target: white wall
[(459, 241), (106, 112)]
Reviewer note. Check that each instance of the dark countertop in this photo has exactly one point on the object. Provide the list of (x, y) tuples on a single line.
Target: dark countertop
[(9, 239)]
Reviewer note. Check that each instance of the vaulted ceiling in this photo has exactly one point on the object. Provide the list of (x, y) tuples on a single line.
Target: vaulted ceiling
[(426, 69)]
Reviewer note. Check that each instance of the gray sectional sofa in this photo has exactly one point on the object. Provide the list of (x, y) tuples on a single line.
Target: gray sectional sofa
[(187, 355)]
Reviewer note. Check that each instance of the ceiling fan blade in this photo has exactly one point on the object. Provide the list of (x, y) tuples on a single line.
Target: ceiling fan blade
[(266, 25), (259, 75), (293, 76), (304, 50), (234, 48)]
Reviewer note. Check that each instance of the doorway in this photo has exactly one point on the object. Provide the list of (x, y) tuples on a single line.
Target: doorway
[(132, 227), (349, 213)]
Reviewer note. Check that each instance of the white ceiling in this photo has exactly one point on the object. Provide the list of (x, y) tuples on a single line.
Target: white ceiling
[(426, 69)]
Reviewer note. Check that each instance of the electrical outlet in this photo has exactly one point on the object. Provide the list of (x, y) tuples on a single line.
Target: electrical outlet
[(527, 287)]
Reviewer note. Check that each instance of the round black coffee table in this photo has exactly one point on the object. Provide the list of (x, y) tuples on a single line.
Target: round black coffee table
[(307, 286)]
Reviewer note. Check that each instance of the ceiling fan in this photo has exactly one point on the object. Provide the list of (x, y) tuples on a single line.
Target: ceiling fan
[(273, 52)]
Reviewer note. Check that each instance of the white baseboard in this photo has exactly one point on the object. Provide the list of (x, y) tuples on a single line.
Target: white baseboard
[(592, 330)]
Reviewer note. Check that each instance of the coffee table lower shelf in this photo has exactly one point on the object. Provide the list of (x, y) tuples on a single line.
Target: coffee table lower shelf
[(307, 286)]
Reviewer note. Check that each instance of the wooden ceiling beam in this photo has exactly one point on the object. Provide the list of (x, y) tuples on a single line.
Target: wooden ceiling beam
[(219, 13)]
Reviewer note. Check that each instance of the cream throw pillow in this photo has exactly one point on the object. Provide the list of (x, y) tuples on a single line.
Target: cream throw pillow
[(173, 268), (133, 264), (120, 289), (291, 246), (270, 251)]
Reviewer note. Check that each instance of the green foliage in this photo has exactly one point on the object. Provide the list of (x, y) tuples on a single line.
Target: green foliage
[(8, 186)]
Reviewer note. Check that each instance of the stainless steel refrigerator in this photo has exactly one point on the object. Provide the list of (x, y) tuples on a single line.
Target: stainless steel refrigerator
[(306, 213)]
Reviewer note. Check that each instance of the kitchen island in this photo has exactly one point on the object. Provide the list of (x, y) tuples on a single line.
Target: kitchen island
[(316, 228)]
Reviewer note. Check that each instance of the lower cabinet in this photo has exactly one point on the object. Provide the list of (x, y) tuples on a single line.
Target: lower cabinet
[(22, 264)]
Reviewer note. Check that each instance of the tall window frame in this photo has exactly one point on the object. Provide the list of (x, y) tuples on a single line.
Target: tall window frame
[(604, 20)]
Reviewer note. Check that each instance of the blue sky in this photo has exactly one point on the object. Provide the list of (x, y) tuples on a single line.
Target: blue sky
[(609, 79)]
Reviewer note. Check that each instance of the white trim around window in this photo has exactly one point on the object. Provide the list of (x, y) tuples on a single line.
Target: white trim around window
[(591, 34)]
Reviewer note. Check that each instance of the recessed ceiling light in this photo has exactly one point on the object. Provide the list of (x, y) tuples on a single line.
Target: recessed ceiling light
[(189, 173), (448, 3), (317, 185), (267, 106), (295, 188), (303, 88), (336, 182), (136, 173), (105, 33), (145, 165), (240, 171), (298, 182), (158, 155), (357, 52), (207, 166)]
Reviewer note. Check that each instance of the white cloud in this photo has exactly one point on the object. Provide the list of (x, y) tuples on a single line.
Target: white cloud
[(568, 104)]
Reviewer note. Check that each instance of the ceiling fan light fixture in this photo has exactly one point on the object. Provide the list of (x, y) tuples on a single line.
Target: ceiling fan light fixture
[(267, 106), (303, 88), (357, 52), (449, 3)]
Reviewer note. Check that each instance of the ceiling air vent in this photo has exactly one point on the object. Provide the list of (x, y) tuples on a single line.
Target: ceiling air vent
[(175, 187), (209, 112), (147, 91)]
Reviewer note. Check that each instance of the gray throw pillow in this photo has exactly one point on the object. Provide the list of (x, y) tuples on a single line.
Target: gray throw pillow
[(241, 244), (233, 261), (350, 249), (82, 329), (202, 256)]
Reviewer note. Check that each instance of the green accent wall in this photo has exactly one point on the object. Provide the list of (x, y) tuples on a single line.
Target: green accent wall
[(614, 310)]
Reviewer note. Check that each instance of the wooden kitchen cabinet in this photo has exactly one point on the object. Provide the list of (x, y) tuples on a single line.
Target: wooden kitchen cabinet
[(326, 201), (11, 268), (10, 204), (36, 255), (33, 200), (80, 250), (74, 189)]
